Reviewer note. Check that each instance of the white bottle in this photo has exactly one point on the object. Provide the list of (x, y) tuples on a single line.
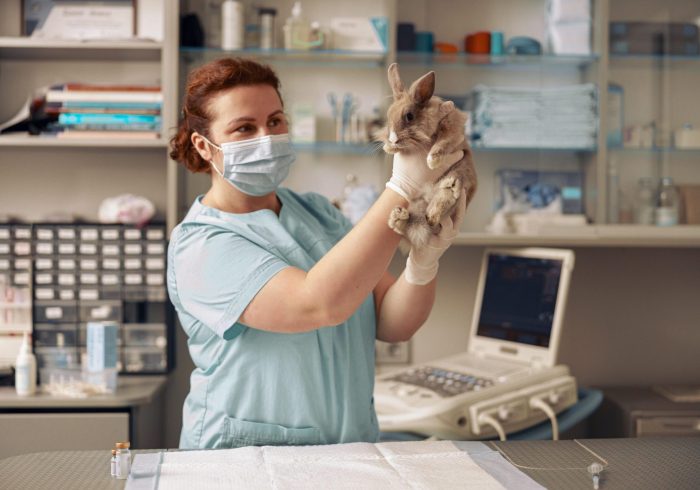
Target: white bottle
[(667, 203), (25, 369), (232, 25)]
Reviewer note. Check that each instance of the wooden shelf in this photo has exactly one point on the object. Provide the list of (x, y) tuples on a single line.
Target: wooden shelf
[(26, 48), (25, 140), (685, 236)]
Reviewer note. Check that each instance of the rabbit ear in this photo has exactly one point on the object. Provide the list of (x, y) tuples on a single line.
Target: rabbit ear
[(422, 89), (395, 80)]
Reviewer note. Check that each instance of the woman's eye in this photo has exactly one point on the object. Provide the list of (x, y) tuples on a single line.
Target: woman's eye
[(244, 129), (275, 122), (409, 117)]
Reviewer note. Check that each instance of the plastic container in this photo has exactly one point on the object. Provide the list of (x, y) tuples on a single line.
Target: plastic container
[(232, 25), (667, 203), (267, 27), (123, 460)]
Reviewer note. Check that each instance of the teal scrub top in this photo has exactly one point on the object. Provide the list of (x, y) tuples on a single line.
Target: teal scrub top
[(254, 387)]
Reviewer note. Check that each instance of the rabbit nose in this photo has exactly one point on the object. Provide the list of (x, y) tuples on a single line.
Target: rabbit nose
[(392, 136)]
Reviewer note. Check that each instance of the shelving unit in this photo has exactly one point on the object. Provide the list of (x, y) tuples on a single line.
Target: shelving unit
[(30, 63)]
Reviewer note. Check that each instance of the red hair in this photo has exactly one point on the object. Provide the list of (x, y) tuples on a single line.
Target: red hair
[(203, 84)]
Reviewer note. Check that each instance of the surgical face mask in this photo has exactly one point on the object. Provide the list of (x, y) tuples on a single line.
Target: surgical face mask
[(256, 166)]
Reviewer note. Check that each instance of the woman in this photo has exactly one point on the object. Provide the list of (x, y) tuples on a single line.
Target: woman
[(281, 300)]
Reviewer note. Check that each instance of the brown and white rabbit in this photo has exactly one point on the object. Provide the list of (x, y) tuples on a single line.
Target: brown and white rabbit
[(419, 122)]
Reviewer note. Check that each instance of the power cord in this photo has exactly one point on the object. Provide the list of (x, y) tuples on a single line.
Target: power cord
[(541, 405), (486, 419)]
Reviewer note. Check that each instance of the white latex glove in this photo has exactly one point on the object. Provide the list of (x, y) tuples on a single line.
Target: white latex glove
[(422, 264), (410, 172)]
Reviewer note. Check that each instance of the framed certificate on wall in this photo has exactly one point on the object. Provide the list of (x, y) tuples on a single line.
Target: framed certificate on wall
[(79, 20)]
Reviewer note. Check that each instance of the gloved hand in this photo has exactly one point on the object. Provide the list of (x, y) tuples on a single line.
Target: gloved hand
[(422, 264), (410, 172)]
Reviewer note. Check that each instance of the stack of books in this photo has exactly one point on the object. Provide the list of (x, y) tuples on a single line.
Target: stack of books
[(105, 111)]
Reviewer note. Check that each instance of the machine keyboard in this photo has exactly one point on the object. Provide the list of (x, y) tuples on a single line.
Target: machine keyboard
[(443, 382)]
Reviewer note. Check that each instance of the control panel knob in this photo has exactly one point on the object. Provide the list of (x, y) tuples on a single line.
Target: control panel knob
[(503, 412), (554, 398)]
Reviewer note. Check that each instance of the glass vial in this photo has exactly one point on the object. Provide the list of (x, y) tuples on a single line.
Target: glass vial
[(267, 27), (113, 463), (123, 460), (667, 203), (645, 202)]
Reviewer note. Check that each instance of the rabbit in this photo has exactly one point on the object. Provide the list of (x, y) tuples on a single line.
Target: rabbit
[(419, 122)]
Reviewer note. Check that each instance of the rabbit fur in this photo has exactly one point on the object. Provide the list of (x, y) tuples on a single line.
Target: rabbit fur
[(419, 122)]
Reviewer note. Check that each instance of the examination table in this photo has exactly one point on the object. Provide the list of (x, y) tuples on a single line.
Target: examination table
[(639, 463)]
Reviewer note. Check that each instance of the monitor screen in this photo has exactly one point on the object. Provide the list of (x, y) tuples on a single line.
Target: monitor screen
[(520, 295)]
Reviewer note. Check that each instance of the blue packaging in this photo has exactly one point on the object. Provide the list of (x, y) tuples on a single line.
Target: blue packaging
[(497, 46), (533, 189), (424, 42), (102, 346)]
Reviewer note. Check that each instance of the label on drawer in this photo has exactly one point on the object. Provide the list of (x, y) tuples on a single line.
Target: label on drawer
[(132, 234), (4, 264), (44, 234), (66, 294), (22, 278), (88, 248), (110, 250), (89, 234), (132, 264), (4, 233), (89, 294), (23, 264), (132, 279), (110, 234), (43, 293), (4, 248), (100, 312), (44, 248), (43, 278), (90, 278), (111, 264), (66, 248), (155, 263), (23, 233), (54, 312), (23, 248), (133, 249), (155, 234), (66, 264), (66, 279), (43, 264), (66, 233), (155, 249), (110, 279), (88, 264), (154, 279)]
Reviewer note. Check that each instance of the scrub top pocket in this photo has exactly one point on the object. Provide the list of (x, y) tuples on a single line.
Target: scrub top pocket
[(239, 433)]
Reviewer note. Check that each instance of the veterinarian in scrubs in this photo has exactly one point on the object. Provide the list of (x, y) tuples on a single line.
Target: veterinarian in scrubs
[(280, 297)]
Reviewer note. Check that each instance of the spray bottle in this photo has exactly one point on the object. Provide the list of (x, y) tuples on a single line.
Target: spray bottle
[(25, 369)]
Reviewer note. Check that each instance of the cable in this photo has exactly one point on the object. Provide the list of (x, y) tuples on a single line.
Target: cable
[(485, 418), (538, 403)]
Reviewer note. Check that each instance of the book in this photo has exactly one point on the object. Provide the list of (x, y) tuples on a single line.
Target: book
[(89, 87), (72, 118), (112, 127), (102, 96), (111, 105), (88, 134), (56, 109)]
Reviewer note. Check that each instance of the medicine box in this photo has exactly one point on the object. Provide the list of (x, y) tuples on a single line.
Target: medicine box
[(533, 189), (101, 345)]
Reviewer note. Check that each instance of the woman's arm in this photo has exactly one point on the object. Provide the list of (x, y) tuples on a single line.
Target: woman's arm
[(297, 301), (402, 307)]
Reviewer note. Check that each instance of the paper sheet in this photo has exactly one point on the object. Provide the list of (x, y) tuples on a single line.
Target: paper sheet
[(385, 466)]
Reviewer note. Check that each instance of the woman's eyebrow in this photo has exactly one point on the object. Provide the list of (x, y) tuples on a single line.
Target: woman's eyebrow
[(251, 119)]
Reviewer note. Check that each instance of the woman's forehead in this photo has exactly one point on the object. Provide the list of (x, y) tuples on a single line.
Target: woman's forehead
[(245, 101)]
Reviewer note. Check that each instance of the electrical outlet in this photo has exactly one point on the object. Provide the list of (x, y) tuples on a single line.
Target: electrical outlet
[(392, 352)]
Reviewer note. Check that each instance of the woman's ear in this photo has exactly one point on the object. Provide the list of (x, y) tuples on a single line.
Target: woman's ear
[(202, 147)]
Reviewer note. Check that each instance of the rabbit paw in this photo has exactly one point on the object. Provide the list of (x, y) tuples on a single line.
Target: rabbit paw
[(398, 219), (452, 184), (435, 158)]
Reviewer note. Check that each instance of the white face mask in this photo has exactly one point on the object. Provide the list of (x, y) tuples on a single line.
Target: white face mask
[(256, 166)]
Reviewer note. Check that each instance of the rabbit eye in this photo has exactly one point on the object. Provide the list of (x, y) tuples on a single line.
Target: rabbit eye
[(409, 117)]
